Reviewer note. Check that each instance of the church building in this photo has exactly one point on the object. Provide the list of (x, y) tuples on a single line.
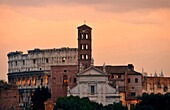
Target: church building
[(93, 83)]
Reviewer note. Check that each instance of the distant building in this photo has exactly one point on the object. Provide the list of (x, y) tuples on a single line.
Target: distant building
[(156, 85)]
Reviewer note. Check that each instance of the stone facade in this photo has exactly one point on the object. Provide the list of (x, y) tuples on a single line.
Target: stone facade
[(9, 97), (156, 85), (41, 59), (93, 83), (31, 70)]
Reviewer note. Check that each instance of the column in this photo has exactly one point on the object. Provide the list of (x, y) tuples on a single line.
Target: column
[(13, 80), (24, 98), (21, 81), (20, 98), (25, 80), (44, 80), (37, 84), (48, 81), (31, 80), (17, 81)]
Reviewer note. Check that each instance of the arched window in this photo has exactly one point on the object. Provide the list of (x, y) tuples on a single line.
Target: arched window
[(46, 80), (19, 81), (28, 81), (87, 57), (23, 81), (86, 46), (41, 80), (63, 59), (87, 36), (82, 56), (82, 36), (65, 79), (158, 81), (34, 81), (165, 89)]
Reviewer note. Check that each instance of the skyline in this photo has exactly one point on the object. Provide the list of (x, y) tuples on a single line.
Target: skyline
[(123, 32)]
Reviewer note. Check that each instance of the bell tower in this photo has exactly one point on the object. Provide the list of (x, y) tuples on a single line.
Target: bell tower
[(84, 46)]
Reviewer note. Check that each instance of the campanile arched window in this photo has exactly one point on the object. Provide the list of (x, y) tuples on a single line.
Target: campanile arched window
[(65, 80)]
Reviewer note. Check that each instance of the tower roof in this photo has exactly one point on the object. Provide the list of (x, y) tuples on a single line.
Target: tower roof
[(84, 26)]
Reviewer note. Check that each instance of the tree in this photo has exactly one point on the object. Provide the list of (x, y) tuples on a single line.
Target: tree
[(40, 95), (115, 106), (153, 102), (3, 81), (76, 103)]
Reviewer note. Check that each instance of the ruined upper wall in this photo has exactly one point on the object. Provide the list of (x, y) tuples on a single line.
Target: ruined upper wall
[(41, 59)]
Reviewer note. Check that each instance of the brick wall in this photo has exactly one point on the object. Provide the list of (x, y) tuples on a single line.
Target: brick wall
[(9, 96), (58, 88)]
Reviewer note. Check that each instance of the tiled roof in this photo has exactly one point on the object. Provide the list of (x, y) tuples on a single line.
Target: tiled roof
[(133, 73), (114, 69)]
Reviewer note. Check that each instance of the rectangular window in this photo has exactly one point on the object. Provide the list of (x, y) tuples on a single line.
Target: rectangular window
[(75, 80), (54, 81), (133, 93), (23, 62), (15, 62), (128, 80), (46, 60), (118, 76), (136, 80), (92, 90), (34, 61)]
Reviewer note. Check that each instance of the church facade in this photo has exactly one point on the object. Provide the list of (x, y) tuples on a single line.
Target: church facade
[(93, 83)]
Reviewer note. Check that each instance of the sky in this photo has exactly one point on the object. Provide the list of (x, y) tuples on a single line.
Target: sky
[(123, 31)]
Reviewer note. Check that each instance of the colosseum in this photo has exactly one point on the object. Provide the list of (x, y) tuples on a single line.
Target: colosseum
[(31, 70)]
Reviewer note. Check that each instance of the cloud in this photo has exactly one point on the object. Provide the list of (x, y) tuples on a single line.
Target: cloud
[(103, 5)]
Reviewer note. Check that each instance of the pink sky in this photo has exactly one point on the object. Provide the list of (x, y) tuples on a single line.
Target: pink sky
[(124, 31)]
